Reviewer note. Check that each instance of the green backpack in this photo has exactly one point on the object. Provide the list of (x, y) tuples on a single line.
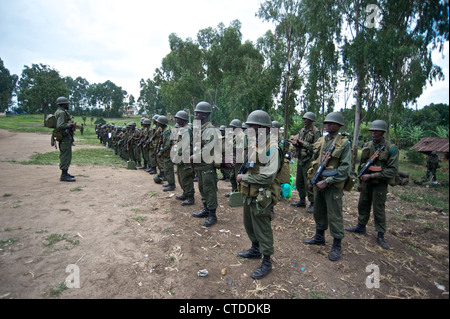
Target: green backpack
[(50, 121)]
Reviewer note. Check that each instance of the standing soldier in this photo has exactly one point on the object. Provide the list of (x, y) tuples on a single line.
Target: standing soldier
[(304, 148), (151, 146), (164, 153), (64, 135), (260, 191), (239, 148), (432, 166), (206, 170), (373, 184), (185, 172), (328, 190), (225, 172), (131, 143)]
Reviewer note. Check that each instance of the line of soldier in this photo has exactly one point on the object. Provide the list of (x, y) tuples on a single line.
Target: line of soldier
[(311, 147)]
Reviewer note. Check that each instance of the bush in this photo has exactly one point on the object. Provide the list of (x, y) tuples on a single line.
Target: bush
[(415, 157)]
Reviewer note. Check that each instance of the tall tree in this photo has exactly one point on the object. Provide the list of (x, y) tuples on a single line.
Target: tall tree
[(8, 84), (289, 49), (39, 87)]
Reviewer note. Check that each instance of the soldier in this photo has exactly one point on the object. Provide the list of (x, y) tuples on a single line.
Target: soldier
[(143, 137), (432, 166), (151, 146), (225, 173), (260, 191), (304, 148), (64, 135), (239, 145), (164, 153), (373, 185), (185, 171), (206, 169), (328, 191)]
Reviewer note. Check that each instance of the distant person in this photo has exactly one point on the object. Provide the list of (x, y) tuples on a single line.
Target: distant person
[(432, 166), (64, 135)]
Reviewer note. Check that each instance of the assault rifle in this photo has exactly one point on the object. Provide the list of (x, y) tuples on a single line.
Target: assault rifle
[(371, 161), (320, 172), (245, 166)]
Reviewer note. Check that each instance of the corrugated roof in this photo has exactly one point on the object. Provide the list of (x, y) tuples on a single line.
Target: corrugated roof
[(429, 144)]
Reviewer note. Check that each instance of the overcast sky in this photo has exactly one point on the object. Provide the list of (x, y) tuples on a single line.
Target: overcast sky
[(125, 40)]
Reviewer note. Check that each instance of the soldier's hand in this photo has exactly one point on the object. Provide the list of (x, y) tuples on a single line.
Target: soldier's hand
[(367, 177), (239, 178), (359, 187), (321, 185)]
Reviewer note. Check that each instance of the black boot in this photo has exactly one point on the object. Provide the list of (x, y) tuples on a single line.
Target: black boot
[(264, 269), (335, 252), (318, 239), (360, 229), (202, 214), (310, 209), (252, 253), (65, 177), (169, 187), (181, 197), (190, 200), (152, 170), (300, 203), (211, 219), (381, 241)]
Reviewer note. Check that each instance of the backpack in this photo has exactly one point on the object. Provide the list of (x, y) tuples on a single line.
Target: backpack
[(284, 175), (50, 121)]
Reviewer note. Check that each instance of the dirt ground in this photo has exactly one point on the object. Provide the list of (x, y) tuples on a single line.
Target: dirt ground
[(130, 239)]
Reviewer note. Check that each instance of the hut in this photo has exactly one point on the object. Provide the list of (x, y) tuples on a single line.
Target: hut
[(429, 144)]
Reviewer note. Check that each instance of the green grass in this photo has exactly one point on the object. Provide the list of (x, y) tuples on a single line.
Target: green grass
[(94, 156)]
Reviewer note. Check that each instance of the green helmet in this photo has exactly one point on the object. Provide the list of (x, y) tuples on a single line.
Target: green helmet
[(335, 117), (276, 124), (182, 115), (222, 127), (236, 123), (147, 121), (132, 124), (155, 117), (162, 120), (378, 125), (259, 117), (62, 100), (203, 107), (310, 116)]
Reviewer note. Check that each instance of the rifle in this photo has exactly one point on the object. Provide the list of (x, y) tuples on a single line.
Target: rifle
[(245, 166), (371, 161), (323, 164)]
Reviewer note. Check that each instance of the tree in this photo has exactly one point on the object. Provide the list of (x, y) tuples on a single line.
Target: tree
[(287, 49), (38, 89), (7, 87), (150, 98), (78, 96)]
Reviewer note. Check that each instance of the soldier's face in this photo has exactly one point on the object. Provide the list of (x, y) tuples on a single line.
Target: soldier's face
[(376, 135), (331, 127)]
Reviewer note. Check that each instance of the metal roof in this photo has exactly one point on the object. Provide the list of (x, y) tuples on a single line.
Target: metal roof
[(429, 144)]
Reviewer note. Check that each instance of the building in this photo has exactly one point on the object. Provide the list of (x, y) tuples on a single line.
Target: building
[(428, 144)]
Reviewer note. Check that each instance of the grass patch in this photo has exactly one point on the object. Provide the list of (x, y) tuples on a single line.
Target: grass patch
[(8, 242), (87, 156)]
